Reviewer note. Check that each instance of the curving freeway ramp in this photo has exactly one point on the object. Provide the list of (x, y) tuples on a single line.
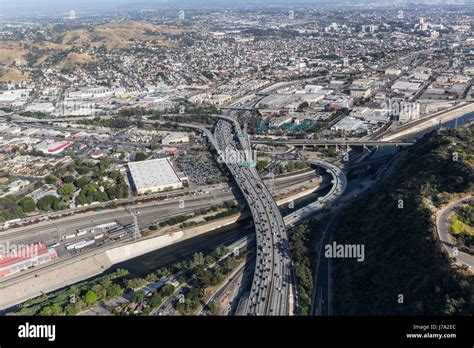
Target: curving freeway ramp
[(339, 181)]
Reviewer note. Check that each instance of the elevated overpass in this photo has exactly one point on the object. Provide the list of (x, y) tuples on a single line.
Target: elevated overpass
[(339, 185), (269, 293), (307, 142), (236, 108)]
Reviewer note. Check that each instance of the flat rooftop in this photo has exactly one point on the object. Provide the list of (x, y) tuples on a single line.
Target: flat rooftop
[(153, 173)]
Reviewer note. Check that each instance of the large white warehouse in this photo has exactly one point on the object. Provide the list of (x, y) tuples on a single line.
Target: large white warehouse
[(154, 176)]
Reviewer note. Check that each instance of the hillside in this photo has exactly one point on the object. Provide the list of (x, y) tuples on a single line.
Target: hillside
[(63, 46), (402, 253)]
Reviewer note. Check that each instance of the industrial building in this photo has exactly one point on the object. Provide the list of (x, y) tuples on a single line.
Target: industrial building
[(280, 121), (53, 148), (349, 125), (154, 176), (24, 258), (175, 138)]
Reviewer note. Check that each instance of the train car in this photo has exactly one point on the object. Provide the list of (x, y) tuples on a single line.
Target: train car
[(69, 236), (99, 236), (80, 245), (106, 225), (81, 232)]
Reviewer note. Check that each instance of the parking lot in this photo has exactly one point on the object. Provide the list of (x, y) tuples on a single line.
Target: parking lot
[(200, 168)]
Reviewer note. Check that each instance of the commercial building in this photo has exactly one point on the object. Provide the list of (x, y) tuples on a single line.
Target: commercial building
[(25, 257), (406, 86), (340, 103), (349, 125), (154, 176), (280, 121), (393, 72), (53, 148), (175, 138), (41, 107)]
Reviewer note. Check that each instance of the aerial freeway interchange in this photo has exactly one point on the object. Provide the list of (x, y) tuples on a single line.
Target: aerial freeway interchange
[(272, 286), (269, 293)]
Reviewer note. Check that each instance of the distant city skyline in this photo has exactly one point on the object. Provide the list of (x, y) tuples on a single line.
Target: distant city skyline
[(45, 6)]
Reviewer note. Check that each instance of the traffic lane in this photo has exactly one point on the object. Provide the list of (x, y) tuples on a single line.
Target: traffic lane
[(322, 273), (253, 197)]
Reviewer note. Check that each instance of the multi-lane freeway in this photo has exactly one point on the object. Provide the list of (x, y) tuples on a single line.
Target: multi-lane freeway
[(272, 277)]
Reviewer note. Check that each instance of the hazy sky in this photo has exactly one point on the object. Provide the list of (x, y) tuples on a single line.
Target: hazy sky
[(59, 6)]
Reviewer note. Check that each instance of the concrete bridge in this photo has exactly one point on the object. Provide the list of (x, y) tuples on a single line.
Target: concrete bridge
[(305, 142)]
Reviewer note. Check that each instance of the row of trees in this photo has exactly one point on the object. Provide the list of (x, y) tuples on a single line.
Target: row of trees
[(300, 244), (76, 298), (230, 208)]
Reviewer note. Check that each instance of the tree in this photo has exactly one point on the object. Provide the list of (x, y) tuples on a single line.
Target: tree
[(140, 156), (120, 273), (209, 260), (71, 309), (136, 283), (104, 163), (115, 175), (46, 311), (48, 202), (213, 308), (156, 299), (204, 277), (303, 105), (167, 290), (28, 204), (198, 259), (81, 182), (139, 296), (91, 297), (100, 290), (261, 165), (66, 191), (50, 179), (67, 179)]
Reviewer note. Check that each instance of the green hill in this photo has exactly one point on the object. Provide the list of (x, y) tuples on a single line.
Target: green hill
[(402, 253)]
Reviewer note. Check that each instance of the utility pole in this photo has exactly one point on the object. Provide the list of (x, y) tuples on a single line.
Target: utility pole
[(136, 230)]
